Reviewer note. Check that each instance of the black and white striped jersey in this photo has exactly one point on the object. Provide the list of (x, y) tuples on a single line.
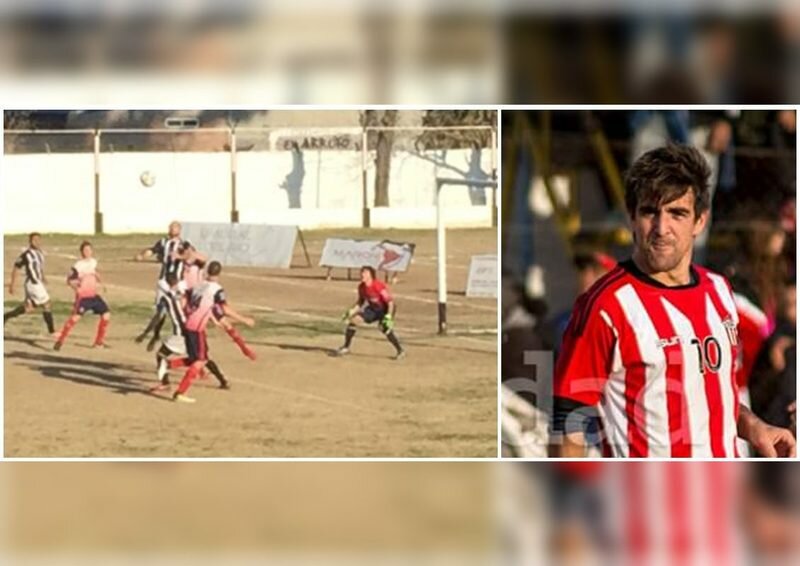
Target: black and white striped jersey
[(170, 303), (164, 249), (33, 262)]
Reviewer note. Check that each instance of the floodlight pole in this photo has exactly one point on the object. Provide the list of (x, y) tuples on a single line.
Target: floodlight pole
[(98, 216), (234, 211), (365, 212)]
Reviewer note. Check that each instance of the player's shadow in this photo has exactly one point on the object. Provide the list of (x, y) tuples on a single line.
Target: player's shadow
[(32, 342), (118, 378), (296, 347)]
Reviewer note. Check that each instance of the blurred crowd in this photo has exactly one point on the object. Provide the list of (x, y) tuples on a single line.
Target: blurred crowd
[(751, 240)]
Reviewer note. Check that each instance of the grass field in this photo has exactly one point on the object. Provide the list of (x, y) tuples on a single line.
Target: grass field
[(295, 400)]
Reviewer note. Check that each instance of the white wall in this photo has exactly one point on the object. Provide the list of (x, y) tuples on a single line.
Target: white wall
[(55, 192)]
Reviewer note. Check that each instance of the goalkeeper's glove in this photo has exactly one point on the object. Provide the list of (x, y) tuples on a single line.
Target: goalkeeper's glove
[(387, 322)]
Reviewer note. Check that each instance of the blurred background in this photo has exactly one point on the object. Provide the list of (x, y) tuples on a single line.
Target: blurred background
[(565, 225), (429, 513), (356, 52)]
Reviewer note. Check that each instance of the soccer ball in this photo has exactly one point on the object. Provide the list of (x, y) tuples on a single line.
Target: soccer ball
[(147, 178)]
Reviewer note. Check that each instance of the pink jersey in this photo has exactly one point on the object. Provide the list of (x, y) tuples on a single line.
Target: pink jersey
[(659, 363), (202, 301), (85, 273)]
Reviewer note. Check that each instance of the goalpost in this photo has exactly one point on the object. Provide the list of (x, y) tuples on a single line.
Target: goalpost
[(441, 246)]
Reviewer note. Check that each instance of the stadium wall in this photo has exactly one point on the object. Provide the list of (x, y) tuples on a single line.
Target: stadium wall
[(312, 189)]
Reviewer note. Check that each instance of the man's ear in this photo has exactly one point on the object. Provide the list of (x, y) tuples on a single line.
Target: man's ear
[(700, 223)]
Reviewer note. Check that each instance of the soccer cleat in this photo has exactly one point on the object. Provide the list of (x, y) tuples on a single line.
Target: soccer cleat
[(342, 351), (57, 346), (225, 385), (102, 345), (401, 355), (182, 398)]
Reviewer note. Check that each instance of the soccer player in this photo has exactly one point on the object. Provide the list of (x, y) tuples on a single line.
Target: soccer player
[(83, 278), (32, 260), (171, 251), (175, 345), (374, 304), (654, 344), (204, 299)]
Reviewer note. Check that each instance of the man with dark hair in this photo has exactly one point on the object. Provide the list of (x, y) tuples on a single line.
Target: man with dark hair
[(374, 304), (653, 344), (32, 260), (84, 278), (206, 297)]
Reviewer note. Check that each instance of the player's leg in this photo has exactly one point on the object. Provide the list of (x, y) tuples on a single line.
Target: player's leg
[(196, 349), (66, 329), (47, 315), (101, 308), (159, 314), (14, 313), (162, 369), (217, 373), (388, 331), (350, 331)]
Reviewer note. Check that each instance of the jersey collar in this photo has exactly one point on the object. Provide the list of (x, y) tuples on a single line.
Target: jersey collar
[(630, 267)]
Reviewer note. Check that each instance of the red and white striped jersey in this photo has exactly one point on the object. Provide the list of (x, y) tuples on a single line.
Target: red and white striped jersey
[(659, 362)]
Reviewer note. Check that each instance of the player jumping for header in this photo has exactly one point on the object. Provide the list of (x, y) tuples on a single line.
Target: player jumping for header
[(32, 260), (171, 252), (204, 299), (374, 304), (83, 278)]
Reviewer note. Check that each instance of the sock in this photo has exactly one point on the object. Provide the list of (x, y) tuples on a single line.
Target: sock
[(178, 363), (102, 326), (236, 337), (66, 330), (48, 319), (161, 364), (13, 313), (188, 378), (348, 334), (391, 337), (214, 369)]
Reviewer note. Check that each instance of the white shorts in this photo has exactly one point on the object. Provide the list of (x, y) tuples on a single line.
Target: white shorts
[(36, 294), (176, 345), (162, 289)]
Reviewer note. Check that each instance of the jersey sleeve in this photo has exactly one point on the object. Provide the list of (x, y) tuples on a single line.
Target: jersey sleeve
[(158, 249), (73, 275), (586, 356), (21, 262), (385, 295), (219, 297)]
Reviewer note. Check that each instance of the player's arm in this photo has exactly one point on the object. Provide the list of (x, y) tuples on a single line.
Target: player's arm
[(769, 441), (230, 312), (73, 279), (149, 252), (13, 279), (571, 419)]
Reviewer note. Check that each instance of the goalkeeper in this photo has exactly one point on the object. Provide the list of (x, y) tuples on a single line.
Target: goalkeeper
[(374, 304)]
